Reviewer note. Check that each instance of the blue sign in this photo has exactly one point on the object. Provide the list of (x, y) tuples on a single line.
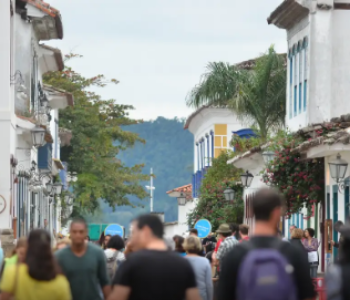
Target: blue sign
[(204, 228), (114, 229)]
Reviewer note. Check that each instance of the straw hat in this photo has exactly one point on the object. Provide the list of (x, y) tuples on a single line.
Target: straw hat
[(224, 228)]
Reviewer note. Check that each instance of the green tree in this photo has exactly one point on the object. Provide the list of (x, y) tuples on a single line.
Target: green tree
[(212, 204), (257, 96), (98, 137)]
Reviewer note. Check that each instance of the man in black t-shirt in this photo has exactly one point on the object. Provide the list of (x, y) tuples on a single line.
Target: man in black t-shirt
[(152, 272), (267, 207)]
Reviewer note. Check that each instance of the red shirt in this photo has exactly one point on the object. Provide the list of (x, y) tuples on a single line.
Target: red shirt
[(244, 239), (217, 245)]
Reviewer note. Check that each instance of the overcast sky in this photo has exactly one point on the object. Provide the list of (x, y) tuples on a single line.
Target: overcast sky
[(158, 49)]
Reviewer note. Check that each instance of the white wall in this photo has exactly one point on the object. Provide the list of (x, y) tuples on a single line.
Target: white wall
[(6, 128), (328, 66)]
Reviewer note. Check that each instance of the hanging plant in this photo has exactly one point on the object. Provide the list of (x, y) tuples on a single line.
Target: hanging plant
[(301, 181)]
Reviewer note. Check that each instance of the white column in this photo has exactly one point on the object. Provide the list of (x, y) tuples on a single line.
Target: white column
[(5, 111)]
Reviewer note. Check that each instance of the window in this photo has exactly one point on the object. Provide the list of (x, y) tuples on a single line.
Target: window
[(290, 55), (300, 56), (295, 80), (305, 77)]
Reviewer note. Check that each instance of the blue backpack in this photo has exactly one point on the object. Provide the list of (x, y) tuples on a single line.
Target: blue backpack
[(265, 274)]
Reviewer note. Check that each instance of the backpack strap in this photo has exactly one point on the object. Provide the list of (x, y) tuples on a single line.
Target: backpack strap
[(249, 245)]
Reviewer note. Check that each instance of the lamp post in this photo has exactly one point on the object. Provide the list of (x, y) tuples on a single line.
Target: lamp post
[(247, 179), (229, 194), (338, 168), (57, 188), (181, 200), (38, 136), (268, 157)]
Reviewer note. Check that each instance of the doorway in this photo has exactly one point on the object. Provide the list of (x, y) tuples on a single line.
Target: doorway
[(335, 219)]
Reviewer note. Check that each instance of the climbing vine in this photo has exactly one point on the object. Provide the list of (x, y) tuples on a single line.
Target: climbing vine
[(300, 180)]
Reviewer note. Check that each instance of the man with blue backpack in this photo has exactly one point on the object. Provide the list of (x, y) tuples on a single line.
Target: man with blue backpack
[(266, 268)]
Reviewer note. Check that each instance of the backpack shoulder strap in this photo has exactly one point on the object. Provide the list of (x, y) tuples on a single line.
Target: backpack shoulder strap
[(249, 245)]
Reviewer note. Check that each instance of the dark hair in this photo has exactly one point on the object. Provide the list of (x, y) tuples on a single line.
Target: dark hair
[(88, 238), (244, 229), (41, 263), (101, 239), (337, 225), (179, 240), (116, 242), (264, 202), (153, 222), (311, 231), (226, 234), (235, 230), (345, 251), (194, 231), (79, 221)]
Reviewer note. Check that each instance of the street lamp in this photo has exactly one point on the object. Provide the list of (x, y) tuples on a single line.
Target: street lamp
[(49, 187), (337, 168), (38, 136), (181, 200), (247, 179), (268, 157), (58, 188), (229, 194)]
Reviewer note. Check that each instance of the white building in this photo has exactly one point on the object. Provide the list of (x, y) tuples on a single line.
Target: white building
[(185, 206), (318, 72), (25, 105)]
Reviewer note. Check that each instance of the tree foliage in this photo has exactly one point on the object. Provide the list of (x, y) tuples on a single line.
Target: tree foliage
[(98, 137), (257, 96), (169, 151), (212, 204)]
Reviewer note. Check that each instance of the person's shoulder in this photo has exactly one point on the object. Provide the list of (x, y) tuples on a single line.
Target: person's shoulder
[(95, 248), (61, 280), (62, 252)]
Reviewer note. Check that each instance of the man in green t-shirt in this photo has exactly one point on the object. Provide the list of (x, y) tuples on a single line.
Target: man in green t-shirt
[(84, 265)]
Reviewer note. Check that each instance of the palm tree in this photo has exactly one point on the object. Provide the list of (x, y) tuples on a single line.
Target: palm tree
[(217, 85), (258, 97)]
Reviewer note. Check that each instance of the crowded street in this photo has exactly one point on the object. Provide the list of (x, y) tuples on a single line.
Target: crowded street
[(171, 150)]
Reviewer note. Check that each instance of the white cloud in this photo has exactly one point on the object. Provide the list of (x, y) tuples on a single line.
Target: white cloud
[(158, 49)]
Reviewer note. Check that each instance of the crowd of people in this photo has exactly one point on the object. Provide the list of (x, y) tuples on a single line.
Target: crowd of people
[(227, 265)]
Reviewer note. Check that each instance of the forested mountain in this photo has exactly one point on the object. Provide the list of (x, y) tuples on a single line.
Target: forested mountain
[(169, 151)]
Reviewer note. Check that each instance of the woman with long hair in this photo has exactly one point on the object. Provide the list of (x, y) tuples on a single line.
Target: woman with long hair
[(311, 245), (39, 277)]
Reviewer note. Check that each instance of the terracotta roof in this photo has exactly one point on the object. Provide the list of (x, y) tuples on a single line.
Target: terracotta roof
[(182, 189), (51, 11), (44, 7), (58, 164), (287, 14), (249, 153), (58, 91), (58, 55)]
